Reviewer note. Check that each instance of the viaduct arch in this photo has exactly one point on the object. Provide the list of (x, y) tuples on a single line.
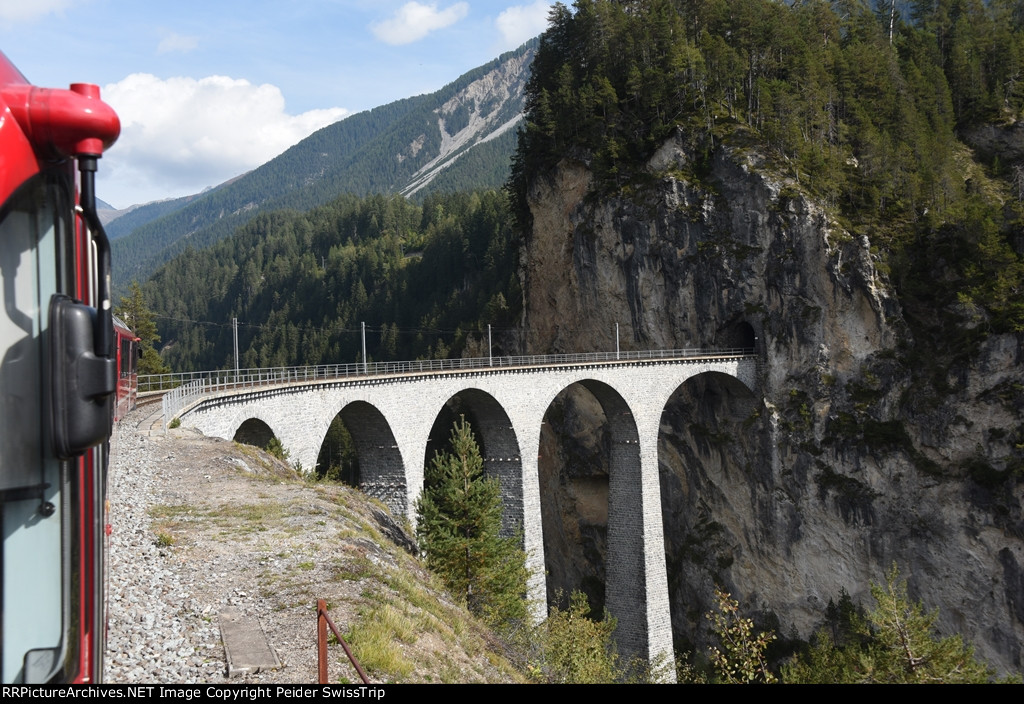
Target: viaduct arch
[(393, 417)]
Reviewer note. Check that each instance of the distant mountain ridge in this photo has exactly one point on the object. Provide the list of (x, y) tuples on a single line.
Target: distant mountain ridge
[(121, 223), (459, 137)]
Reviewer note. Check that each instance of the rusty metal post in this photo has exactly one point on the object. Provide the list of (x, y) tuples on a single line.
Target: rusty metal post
[(321, 639), (323, 622)]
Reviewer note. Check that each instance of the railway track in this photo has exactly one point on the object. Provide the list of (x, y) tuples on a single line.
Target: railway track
[(150, 414)]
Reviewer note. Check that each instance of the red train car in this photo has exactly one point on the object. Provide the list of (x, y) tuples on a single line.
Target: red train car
[(128, 351), (58, 377)]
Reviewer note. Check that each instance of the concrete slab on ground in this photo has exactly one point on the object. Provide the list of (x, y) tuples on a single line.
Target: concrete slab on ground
[(245, 644)]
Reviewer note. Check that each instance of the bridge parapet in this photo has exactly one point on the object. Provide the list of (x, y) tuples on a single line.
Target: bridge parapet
[(185, 389)]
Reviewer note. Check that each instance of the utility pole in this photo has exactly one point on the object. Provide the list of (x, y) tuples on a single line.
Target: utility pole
[(364, 348), (490, 356), (892, 18), (234, 325), (616, 340)]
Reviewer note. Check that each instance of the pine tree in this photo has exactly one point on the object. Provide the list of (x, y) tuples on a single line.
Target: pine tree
[(459, 529), (899, 646), (906, 647), (137, 316)]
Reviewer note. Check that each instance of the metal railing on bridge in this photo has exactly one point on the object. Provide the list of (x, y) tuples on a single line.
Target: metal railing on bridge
[(186, 388)]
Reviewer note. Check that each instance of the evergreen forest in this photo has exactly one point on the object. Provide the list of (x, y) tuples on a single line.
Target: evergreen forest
[(425, 279)]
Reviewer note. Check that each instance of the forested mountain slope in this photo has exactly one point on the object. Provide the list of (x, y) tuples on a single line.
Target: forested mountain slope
[(127, 223), (424, 279), (460, 137), (871, 125)]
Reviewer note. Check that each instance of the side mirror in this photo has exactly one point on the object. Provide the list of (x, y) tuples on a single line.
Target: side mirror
[(82, 383)]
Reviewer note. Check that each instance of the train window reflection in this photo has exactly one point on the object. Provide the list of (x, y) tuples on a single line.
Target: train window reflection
[(34, 264)]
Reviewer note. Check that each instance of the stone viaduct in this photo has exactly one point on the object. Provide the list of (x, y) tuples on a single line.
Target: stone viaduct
[(390, 419)]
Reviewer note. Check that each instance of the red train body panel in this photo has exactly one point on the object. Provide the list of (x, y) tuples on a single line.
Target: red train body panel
[(127, 346), (58, 380)]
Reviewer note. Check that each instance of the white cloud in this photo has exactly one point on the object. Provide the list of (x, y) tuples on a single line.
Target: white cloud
[(177, 42), (521, 22), (413, 21), (181, 135), (22, 10)]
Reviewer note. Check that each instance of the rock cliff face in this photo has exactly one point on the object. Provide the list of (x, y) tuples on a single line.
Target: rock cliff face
[(840, 464)]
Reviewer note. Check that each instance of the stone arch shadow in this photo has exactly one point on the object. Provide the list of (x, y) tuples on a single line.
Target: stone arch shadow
[(381, 471), (498, 443), (624, 567), (254, 431), (705, 489)]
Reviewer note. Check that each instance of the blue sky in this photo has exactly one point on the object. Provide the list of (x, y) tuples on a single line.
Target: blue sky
[(209, 90)]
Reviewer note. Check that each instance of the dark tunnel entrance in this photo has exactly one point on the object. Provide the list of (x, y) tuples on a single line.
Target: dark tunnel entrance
[(737, 335)]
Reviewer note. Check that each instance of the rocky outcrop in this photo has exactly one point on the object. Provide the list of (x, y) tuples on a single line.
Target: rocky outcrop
[(1003, 141), (845, 461)]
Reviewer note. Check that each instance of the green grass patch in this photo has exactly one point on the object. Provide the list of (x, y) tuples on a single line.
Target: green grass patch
[(375, 641), (168, 520), (250, 513), (355, 568)]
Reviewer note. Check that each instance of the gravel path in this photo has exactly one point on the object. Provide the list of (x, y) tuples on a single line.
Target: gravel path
[(199, 524), (162, 609)]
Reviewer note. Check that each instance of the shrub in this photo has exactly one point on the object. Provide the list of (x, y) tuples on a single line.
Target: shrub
[(741, 658), (576, 649)]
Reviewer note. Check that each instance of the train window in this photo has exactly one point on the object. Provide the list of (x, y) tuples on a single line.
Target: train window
[(36, 261), (126, 358)]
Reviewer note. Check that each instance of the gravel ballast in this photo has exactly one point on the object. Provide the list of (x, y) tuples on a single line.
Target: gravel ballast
[(200, 524)]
